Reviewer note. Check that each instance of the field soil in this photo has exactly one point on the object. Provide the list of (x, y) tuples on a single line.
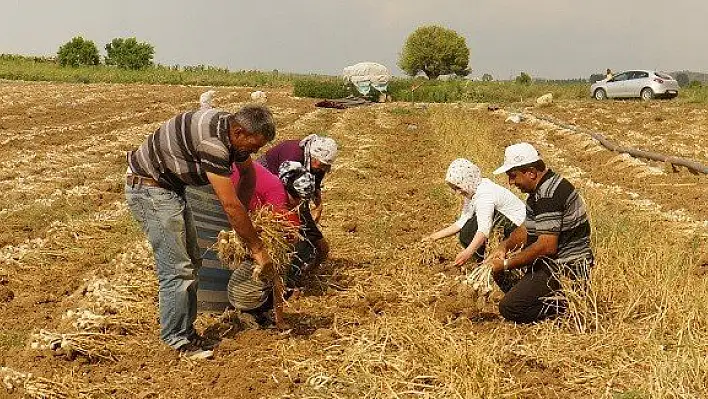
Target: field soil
[(373, 321)]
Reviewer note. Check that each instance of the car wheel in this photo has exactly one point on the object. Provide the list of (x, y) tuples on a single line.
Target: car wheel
[(646, 94), (600, 94)]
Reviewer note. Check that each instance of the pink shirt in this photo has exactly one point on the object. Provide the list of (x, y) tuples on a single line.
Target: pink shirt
[(269, 190)]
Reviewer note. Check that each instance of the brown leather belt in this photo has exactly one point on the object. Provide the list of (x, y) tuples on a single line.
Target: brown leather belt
[(135, 180)]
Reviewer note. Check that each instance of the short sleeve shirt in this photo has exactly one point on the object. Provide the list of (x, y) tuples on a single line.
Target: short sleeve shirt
[(556, 208), (184, 149)]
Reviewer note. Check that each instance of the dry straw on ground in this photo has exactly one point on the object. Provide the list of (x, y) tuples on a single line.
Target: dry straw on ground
[(430, 253)]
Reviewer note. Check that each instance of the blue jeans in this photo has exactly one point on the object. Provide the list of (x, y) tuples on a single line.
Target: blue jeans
[(168, 223)]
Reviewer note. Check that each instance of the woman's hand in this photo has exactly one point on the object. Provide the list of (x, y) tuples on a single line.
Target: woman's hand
[(463, 257)]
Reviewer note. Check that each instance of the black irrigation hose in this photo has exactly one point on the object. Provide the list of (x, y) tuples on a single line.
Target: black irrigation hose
[(690, 164)]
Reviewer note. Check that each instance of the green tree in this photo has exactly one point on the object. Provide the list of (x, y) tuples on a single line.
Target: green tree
[(78, 51), (523, 78), (487, 78), (129, 53), (435, 51), (683, 79)]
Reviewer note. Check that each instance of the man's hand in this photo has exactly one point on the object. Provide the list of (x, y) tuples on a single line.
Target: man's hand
[(497, 254), (497, 265), (464, 256), (263, 262)]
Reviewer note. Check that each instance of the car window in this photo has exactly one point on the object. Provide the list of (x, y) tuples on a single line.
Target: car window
[(663, 76), (638, 75), (621, 77)]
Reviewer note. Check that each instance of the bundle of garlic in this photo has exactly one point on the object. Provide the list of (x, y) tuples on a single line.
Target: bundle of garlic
[(480, 279), (31, 386), (276, 233), (86, 320), (430, 254), (91, 345)]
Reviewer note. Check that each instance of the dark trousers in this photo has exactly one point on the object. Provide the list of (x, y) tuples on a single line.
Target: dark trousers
[(470, 229), (537, 295), (305, 254)]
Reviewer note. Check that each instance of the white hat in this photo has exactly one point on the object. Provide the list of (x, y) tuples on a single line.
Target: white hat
[(518, 155)]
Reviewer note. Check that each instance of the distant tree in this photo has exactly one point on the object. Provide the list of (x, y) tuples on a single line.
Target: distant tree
[(523, 78), (129, 53), (78, 51), (596, 77), (487, 78), (683, 79), (435, 51), (695, 84)]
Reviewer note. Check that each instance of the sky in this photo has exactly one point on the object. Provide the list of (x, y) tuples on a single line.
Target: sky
[(546, 38)]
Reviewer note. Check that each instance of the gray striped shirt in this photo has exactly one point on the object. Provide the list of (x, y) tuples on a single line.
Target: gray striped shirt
[(184, 148), (556, 208)]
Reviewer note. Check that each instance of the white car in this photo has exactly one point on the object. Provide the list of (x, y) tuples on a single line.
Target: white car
[(636, 84)]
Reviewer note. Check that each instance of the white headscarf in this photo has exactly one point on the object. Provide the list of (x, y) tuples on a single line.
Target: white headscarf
[(324, 149), (464, 174), (205, 99)]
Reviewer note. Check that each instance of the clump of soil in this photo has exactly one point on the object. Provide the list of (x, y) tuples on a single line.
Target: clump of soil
[(456, 301), (6, 294), (349, 227)]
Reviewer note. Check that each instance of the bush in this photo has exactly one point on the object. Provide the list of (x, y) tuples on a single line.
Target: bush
[(468, 91), (129, 53), (523, 78), (78, 51), (682, 79), (320, 88), (487, 78), (695, 84), (37, 68)]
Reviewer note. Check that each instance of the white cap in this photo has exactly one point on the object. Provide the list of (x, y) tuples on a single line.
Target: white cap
[(518, 155)]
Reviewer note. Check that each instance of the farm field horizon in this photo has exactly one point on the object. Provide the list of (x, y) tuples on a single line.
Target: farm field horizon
[(373, 322)]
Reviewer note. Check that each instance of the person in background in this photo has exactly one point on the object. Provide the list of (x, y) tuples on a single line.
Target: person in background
[(554, 240), (609, 74), (485, 205), (317, 154), (256, 297)]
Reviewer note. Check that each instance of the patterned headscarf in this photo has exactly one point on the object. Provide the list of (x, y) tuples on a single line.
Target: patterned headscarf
[(464, 174), (297, 181), (324, 149)]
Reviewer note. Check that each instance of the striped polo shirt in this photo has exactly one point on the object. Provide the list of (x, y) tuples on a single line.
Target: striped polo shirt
[(556, 208), (184, 149)]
